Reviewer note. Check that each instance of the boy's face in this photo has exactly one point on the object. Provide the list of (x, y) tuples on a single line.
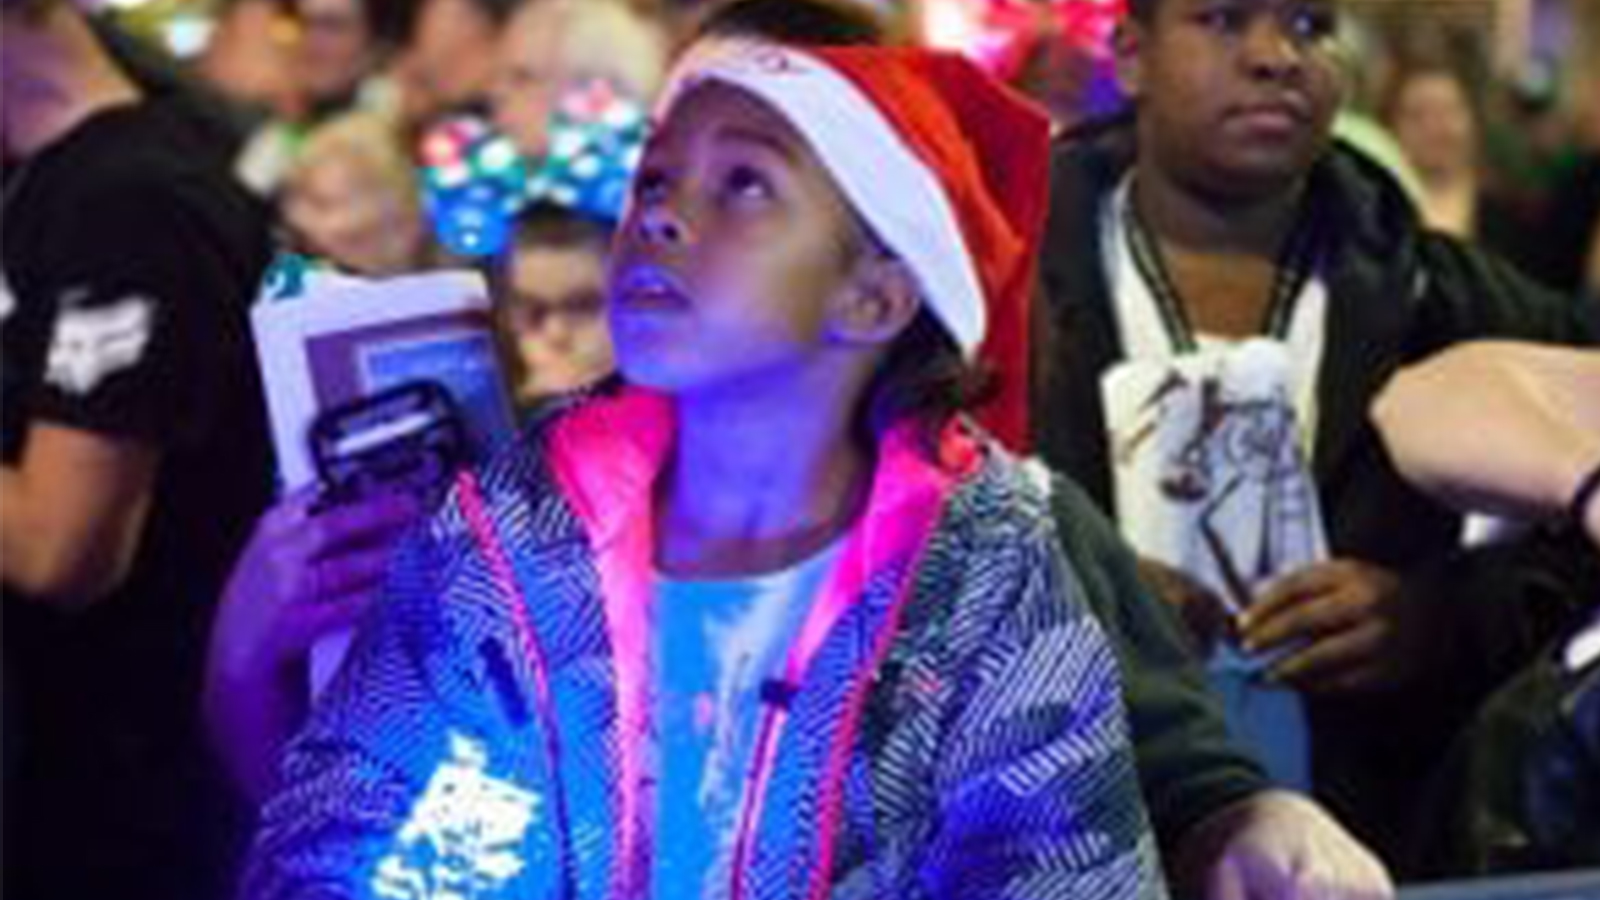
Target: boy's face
[(1234, 96), (732, 250), (556, 314), (335, 46)]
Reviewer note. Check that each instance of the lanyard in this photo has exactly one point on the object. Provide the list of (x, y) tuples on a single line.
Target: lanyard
[(1296, 261)]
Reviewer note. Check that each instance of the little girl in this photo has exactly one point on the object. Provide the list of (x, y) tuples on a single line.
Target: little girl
[(771, 618)]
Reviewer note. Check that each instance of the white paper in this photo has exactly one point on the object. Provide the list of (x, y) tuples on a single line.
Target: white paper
[(1209, 473), (338, 338)]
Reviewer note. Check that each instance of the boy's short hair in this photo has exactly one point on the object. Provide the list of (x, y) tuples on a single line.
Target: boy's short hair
[(30, 11), (548, 225)]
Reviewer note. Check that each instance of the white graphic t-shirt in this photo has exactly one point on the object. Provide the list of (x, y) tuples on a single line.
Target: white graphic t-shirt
[(716, 643), (1210, 454)]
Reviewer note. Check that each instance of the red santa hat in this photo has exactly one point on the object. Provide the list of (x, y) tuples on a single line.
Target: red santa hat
[(948, 167)]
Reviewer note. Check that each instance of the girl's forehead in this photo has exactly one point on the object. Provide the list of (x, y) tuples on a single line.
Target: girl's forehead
[(721, 111)]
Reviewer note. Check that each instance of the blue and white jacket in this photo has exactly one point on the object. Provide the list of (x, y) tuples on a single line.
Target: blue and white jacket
[(951, 726)]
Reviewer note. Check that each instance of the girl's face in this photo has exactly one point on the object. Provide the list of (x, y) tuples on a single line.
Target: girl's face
[(1433, 121), (734, 246)]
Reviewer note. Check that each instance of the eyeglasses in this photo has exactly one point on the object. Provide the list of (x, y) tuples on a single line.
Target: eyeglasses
[(531, 314)]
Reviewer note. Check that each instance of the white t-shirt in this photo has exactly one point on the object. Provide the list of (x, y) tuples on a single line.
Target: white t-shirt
[(716, 642), (1210, 454)]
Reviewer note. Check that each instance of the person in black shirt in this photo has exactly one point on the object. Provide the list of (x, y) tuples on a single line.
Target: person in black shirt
[(1220, 218), (134, 459)]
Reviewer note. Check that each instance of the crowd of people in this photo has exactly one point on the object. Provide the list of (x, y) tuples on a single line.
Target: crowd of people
[(923, 491)]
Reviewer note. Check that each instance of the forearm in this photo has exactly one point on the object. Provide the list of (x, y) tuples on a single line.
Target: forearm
[(42, 561), (250, 717), (1496, 426)]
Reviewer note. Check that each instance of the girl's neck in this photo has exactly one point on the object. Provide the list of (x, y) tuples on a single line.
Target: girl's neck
[(1450, 202), (755, 486)]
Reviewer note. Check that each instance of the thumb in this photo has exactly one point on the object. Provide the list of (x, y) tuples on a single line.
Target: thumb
[(1225, 881)]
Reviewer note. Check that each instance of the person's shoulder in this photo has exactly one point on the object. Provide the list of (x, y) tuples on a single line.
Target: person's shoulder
[(143, 153), (1367, 200), (1004, 502), (1492, 297), (515, 481), (1089, 158)]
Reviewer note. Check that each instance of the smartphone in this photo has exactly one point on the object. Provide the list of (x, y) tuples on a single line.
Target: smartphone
[(407, 438)]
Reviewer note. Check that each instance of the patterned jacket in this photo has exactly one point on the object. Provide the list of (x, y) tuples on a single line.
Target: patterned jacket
[(953, 726)]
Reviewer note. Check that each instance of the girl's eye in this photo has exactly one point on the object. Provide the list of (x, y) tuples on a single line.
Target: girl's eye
[(746, 184), (649, 186)]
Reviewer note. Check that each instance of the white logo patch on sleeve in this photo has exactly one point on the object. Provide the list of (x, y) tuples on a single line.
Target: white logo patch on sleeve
[(90, 344), (8, 300), (462, 837)]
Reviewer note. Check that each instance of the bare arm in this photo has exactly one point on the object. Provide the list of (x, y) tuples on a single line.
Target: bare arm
[(1499, 426), (72, 512)]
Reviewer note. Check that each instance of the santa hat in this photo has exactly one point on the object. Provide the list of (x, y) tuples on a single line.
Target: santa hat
[(948, 167)]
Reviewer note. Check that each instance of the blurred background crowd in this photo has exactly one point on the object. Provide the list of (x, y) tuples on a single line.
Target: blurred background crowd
[(384, 137)]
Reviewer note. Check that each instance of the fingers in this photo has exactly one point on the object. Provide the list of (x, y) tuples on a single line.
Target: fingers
[(289, 514), (331, 595), (1225, 881), (353, 572), (318, 619), (1339, 872), (1283, 594), (1344, 661), (372, 519), (1314, 616), (1279, 846)]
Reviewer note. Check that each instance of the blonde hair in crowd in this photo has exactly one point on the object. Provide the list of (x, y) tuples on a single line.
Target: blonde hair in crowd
[(607, 39)]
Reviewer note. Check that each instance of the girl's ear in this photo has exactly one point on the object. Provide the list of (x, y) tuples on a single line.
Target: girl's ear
[(879, 301)]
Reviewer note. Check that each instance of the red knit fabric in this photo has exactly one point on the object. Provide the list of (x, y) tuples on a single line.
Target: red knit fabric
[(990, 149)]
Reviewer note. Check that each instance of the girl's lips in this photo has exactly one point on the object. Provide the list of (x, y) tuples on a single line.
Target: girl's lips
[(648, 289)]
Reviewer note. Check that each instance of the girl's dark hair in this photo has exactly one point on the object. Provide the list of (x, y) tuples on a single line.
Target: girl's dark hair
[(924, 379)]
